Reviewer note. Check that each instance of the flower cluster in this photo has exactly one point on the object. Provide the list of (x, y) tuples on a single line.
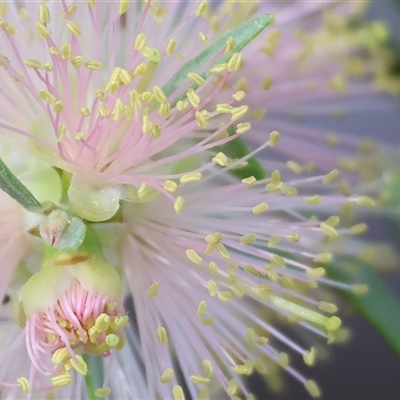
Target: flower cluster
[(131, 117)]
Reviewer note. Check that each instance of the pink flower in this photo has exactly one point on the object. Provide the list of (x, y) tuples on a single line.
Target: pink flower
[(99, 94)]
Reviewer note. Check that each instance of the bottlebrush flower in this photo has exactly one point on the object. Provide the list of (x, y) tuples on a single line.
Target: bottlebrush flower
[(131, 107)]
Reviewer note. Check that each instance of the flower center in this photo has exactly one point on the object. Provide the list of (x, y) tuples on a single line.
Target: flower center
[(79, 322)]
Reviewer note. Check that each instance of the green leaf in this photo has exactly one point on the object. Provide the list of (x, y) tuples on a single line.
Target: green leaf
[(242, 34), (95, 377), (92, 243), (379, 307), (15, 189)]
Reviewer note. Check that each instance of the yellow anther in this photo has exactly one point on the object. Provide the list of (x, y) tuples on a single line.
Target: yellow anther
[(103, 110), (119, 322), (332, 221), (310, 356), (167, 375), (182, 105), (23, 14), (12, 31), (85, 111), (170, 46), (288, 191), (296, 168), (196, 78), (213, 267), (251, 180), (220, 159), (60, 356), (188, 178), (239, 95), (179, 204), (153, 290), (102, 392), (61, 380), (260, 208), (159, 95), (203, 38), (162, 335), (243, 127), (273, 241), (170, 186), (202, 308), (140, 69), (360, 289), (207, 321), (42, 30), (193, 256), (178, 393), (225, 296), (219, 68), (199, 380), (278, 261), (251, 269), (102, 323), (239, 112), (208, 368), (125, 76), (224, 108), (233, 388), (323, 257), (193, 97), (316, 199), (251, 337), (293, 237), (140, 42), (24, 383), (46, 96), (212, 287), (312, 388), (44, 14), (247, 239), (91, 3), (329, 230), (66, 51), (223, 251), (333, 323), (62, 130), (79, 365), (32, 63), (327, 307), (3, 9), (201, 8), (267, 83), (201, 120), (230, 44), (74, 28), (273, 138), (235, 62), (123, 6), (77, 61), (283, 360), (315, 272), (331, 176), (94, 65), (366, 201)]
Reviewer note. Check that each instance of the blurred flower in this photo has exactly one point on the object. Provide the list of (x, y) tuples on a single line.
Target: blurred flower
[(128, 109), (323, 60)]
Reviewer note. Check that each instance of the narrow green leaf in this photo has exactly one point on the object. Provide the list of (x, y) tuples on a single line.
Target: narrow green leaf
[(379, 307), (95, 377), (15, 189), (242, 34)]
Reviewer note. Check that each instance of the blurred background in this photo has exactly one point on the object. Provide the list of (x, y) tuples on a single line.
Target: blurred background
[(365, 367)]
